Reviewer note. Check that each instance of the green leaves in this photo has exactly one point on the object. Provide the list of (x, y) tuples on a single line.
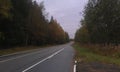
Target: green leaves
[(102, 21)]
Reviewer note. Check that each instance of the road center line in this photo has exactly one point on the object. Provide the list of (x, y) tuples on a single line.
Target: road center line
[(43, 60)]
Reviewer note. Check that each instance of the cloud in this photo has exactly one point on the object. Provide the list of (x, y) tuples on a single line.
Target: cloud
[(67, 13)]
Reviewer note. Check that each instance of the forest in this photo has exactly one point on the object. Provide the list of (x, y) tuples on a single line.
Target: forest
[(25, 22), (100, 25)]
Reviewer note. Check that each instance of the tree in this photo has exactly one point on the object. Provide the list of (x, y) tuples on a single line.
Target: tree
[(102, 20), (5, 7), (82, 34), (5, 18), (101, 17), (56, 33), (37, 24), (67, 39), (24, 22)]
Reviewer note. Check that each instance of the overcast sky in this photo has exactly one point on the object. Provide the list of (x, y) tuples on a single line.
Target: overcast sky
[(67, 12)]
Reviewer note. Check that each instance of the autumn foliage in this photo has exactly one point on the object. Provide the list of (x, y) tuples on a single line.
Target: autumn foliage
[(25, 22)]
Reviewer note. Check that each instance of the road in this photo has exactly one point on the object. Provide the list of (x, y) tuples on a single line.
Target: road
[(51, 59)]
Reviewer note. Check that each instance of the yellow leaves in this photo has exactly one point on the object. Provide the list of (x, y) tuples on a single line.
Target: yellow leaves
[(56, 32), (5, 6)]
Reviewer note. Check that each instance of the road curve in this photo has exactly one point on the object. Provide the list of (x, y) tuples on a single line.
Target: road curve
[(51, 59)]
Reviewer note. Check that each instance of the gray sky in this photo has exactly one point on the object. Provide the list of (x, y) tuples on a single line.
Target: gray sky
[(66, 12)]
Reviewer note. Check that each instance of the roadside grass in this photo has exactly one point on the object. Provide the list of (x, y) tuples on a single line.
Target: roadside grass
[(87, 55), (16, 49), (21, 49)]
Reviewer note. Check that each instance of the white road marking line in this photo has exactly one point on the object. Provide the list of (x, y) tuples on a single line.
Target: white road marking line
[(75, 62), (75, 67), (43, 60), (17, 57)]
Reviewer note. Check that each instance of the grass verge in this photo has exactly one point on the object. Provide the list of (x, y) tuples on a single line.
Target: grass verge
[(16, 49), (87, 55), (21, 49)]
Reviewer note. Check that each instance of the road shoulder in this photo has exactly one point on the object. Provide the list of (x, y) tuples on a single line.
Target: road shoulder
[(88, 61)]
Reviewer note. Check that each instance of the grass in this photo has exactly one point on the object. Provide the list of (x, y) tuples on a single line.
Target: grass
[(21, 49), (16, 49), (87, 55)]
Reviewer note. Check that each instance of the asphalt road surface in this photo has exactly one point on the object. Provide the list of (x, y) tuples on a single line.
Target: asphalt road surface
[(52, 59)]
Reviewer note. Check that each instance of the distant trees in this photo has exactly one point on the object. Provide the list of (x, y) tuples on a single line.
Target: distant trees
[(56, 33), (82, 34), (23, 22), (101, 23)]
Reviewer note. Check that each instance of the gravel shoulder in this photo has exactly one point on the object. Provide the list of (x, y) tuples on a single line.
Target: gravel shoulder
[(97, 67)]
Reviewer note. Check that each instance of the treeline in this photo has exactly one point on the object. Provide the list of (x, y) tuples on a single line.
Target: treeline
[(24, 22), (101, 23)]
